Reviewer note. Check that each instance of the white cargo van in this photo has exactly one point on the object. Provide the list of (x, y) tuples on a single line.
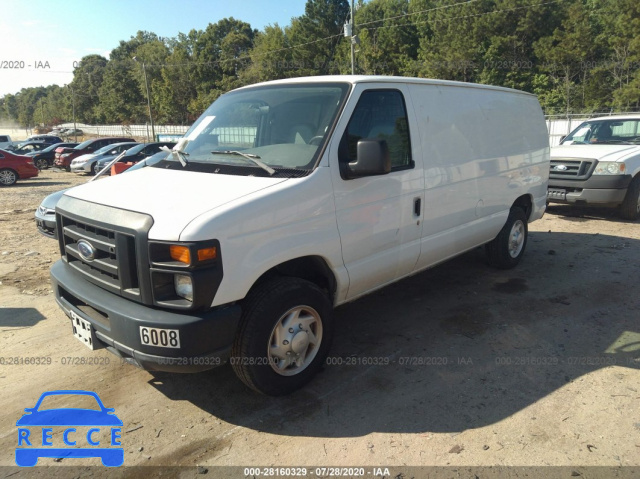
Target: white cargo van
[(286, 199)]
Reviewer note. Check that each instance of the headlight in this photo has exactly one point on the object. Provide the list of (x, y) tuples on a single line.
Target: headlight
[(609, 168), (184, 286)]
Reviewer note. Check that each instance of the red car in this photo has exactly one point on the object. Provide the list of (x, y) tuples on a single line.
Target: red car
[(15, 167), (65, 155)]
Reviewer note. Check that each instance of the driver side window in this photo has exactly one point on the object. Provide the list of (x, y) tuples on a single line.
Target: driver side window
[(380, 115)]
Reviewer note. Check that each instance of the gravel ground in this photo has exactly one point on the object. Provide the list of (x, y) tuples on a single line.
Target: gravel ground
[(460, 366)]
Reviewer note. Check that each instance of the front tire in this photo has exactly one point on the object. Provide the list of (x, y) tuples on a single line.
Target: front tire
[(630, 209), (506, 250), (284, 336), (8, 177)]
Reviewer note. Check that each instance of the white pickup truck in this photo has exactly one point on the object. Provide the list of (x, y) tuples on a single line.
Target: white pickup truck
[(598, 164), (286, 199), (5, 142)]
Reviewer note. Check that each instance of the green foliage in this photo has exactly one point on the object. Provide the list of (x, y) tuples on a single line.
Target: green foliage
[(575, 55)]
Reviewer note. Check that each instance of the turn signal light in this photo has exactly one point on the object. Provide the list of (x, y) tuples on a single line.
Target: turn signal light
[(207, 253), (180, 253)]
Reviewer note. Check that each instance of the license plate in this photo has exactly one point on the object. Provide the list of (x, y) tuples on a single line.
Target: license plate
[(82, 330), (162, 338)]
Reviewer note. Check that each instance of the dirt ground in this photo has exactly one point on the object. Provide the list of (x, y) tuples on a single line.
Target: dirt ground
[(537, 366)]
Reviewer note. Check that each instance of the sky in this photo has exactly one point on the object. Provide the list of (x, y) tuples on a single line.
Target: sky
[(42, 40)]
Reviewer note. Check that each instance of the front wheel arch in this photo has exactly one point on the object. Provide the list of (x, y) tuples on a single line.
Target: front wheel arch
[(270, 348)]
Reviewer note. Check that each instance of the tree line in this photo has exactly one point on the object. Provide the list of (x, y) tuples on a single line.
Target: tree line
[(575, 55)]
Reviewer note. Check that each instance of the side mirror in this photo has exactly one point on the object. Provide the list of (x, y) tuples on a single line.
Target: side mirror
[(372, 158)]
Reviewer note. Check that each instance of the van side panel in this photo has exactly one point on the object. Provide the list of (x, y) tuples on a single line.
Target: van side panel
[(482, 149)]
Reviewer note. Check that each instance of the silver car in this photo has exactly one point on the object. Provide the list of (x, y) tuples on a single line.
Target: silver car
[(87, 163)]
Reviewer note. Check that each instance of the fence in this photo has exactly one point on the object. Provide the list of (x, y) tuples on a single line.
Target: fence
[(137, 131), (558, 126)]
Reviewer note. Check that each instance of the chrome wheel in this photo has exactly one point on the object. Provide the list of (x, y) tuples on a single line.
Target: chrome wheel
[(295, 340), (41, 164), (516, 239), (8, 177)]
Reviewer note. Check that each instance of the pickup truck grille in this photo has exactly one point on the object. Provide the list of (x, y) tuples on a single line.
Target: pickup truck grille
[(571, 168), (113, 265)]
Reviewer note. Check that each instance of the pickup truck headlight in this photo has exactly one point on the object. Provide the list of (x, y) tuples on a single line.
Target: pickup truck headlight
[(609, 168)]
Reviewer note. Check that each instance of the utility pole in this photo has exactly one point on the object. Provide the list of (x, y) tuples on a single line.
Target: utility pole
[(42, 112), (146, 84), (349, 31), (353, 45), (73, 109)]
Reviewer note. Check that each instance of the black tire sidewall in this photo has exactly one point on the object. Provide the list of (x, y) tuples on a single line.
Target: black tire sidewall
[(498, 249), (629, 207), (262, 310)]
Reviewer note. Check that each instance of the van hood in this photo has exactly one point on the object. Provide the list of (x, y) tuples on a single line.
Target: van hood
[(172, 197), (598, 152)]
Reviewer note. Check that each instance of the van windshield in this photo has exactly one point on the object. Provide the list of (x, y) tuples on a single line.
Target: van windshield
[(605, 132), (282, 126)]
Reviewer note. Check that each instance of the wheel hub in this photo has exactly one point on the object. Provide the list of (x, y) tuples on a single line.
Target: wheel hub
[(295, 340), (300, 342)]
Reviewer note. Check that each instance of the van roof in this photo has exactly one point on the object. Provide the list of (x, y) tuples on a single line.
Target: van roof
[(355, 79)]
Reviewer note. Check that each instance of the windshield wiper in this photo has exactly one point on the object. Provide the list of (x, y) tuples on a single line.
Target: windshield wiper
[(255, 159)]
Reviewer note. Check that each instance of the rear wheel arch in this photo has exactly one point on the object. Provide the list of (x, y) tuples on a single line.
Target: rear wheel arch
[(525, 203)]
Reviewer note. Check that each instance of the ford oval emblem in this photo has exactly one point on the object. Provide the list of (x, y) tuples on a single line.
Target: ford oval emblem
[(561, 167), (86, 250)]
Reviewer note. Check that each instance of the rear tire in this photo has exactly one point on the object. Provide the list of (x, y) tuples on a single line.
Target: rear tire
[(506, 250), (630, 208), (8, 177), (42, 164), (284, 336)]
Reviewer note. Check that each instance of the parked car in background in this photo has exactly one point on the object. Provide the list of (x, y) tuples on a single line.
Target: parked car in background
[(87, 163), (64, 157), (15, 167), (49, 139), (28, 147), (150, 160), (5, 142), (598, 164), (46, 214), (71, 132), (133, 156), (44, 159)]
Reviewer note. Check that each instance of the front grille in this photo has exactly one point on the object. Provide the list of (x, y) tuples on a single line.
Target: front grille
[(571, 168), (114, 264)]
